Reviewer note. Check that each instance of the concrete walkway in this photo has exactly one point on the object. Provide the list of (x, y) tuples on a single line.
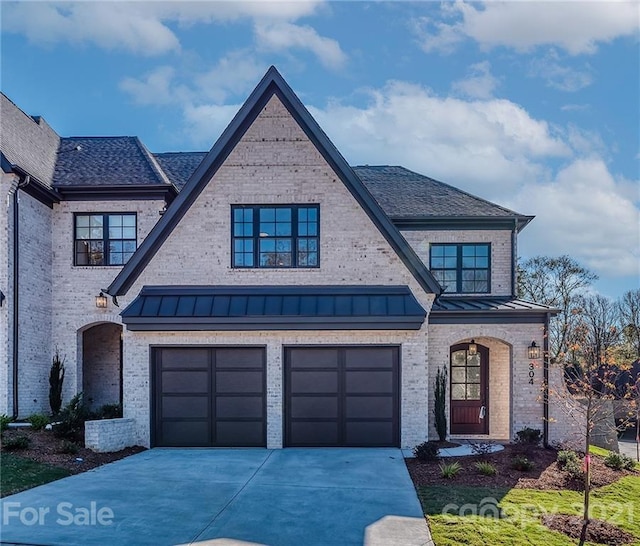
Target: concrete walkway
[(315, 497)]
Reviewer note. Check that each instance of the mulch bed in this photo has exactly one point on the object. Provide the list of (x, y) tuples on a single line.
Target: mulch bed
[(546, 475), (44, 447), (597, 531)]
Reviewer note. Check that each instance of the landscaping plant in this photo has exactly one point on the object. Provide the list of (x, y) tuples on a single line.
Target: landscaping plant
[(16, 443), (485, 468), (619, 461), (522, 464), (56, 378), (38, 420), (71, 419), (440, 400), (426, 451), (69, 447), (4, 422), (529, 436), (450, 470)]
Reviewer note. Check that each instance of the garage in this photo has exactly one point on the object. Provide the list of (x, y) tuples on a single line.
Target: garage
[(342, 396), (209, 396)]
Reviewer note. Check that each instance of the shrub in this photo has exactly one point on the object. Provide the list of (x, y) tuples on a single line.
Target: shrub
[(426, 451), (618, 461), (110, 411), (67, 446), (485, 468), (4, 422), (481, 448), (38, 420), (440, 401), (529, 436), (522, 464), (450, 470), (15, 443), (566, 456), (56, 378), (71, 419)]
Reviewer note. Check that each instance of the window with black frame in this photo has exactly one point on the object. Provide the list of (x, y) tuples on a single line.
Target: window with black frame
[(462, 268), (275, 236), (104, 239)]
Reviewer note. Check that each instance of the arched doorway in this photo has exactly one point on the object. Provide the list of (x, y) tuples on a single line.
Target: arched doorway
[(102, 365), (469, 389)]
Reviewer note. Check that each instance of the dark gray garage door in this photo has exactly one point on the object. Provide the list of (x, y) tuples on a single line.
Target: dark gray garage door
[(209, 396), (342, 396)]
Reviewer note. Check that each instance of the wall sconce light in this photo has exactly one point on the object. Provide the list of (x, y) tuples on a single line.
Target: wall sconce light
[(533, 351), (101, 301), (473, 348)]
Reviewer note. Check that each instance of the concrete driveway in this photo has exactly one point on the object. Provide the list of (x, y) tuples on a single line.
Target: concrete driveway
[(226, 497)]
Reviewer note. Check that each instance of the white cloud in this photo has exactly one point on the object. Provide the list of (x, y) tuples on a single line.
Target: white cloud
[(138, 27), (558, 76), (156, 87), (586, 213), (479, 82), (485, 146), (575, 26), (205, 123), (575, 107), (282, 36)]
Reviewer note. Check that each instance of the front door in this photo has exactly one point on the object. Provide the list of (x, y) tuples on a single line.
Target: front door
[(469, 390)]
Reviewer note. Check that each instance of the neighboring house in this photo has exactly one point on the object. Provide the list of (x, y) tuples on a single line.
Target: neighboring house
[(264, 293)]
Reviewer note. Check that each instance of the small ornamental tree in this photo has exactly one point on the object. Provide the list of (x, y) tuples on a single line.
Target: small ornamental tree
[(439, 410), (56, 378)]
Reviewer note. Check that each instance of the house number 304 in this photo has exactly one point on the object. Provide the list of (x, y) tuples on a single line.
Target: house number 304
[(532, 373)]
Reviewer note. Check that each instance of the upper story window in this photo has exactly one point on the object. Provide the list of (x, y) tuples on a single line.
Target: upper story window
[(462, 268), (275, 236), (104, 239)]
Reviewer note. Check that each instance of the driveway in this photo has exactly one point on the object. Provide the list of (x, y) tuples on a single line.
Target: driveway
[(627, 443), (226, 497)]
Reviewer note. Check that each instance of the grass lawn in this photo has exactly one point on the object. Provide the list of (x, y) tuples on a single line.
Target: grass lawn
[(18, 474), (520, 509)]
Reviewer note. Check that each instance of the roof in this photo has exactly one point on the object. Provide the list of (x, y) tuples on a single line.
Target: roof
[(274, 308), (27, 142), (271, 84), (179, 166), (452, 309), (407, 195), (106, 161)]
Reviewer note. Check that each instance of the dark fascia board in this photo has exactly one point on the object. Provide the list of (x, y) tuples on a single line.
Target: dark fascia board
[(37, 189), (487, 317), (462, 222), (249, 323), (118, 192), (5, 164), (272, 83), (233, 290)]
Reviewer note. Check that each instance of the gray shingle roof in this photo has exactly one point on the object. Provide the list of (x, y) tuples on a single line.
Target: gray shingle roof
[(100, 161), (179, 166), (405, 194), (27, 142)]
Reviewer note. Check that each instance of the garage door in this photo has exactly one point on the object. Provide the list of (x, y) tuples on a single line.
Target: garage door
[(209, 396), (342, 396)]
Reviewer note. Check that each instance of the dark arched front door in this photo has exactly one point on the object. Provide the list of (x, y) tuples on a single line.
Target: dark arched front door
[(469, 390)]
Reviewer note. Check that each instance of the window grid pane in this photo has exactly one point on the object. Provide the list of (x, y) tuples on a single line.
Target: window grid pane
[(461, 268), (104, 239)]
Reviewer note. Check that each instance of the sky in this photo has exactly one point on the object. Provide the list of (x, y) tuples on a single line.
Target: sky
[(532, 105)]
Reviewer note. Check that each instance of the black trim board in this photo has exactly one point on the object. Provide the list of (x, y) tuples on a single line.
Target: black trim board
[(271, 84), (487, 317), (457, 223), (122, 192)]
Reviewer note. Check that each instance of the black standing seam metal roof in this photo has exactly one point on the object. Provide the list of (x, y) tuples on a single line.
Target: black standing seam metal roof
[(479, 304), (272, 83), (274, 307)]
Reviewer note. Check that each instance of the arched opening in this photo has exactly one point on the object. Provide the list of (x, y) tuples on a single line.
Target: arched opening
[(102, 365)]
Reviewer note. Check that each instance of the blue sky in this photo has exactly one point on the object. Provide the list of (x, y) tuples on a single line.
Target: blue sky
[(533, 105)]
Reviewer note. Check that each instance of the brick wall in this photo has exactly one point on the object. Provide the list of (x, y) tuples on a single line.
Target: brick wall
[(108, 435), (101, 373), (276, 163), (501, 255)]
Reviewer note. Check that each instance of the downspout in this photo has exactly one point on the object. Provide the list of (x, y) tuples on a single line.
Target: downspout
[(514, 262), (16, 296), (545, 364)]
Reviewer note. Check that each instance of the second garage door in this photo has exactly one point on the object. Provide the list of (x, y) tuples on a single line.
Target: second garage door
[(209, 396), (342, 396)]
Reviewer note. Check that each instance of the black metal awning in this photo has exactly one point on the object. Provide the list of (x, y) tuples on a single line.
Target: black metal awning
[(487, 309), (163, 308)]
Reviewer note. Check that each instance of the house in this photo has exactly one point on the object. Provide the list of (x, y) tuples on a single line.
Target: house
[(264, 293)]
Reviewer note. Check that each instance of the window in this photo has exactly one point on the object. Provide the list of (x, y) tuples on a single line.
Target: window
[(275, 236), (462, 268), (104, 239)]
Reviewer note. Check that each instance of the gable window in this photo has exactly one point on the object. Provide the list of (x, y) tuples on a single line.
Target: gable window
[(275, 236), (104, 239), (462, 268)]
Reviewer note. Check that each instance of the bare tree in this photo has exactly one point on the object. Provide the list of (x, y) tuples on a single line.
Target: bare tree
[(629, 309), (558, 282), (593, 377)]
